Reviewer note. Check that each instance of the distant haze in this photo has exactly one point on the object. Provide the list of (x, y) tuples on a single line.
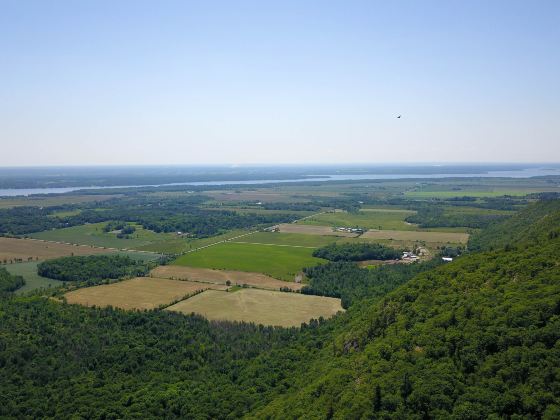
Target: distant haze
[(181, 82)]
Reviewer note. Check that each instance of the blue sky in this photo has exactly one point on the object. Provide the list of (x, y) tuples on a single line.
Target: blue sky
[(134, 82)]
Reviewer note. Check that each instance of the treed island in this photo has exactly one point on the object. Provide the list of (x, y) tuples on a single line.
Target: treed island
[(383, 299)]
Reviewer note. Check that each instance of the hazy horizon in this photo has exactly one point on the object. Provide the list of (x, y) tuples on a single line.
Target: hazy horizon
[(183, 83)]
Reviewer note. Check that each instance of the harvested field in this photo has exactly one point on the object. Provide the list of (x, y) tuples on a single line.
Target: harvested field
[(401, 235), (13, 248), (207, 275), (259, 306), (137, 293), (312, 230)]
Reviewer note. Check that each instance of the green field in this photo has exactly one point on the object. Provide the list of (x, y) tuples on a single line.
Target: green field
[(368, 219), (276, 261), (92, 234), (193, 243), (28, 271), (293, 239)]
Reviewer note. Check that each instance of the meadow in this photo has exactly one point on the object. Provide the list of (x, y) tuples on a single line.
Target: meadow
[(291, 239), (93, 234), (368, 219), (28, 270), (276, 261), (259, 306), (418, 236)]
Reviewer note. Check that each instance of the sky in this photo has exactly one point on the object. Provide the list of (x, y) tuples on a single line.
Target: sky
[(238, 82)]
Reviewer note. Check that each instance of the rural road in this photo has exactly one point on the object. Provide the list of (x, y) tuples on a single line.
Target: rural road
[(247, 234)]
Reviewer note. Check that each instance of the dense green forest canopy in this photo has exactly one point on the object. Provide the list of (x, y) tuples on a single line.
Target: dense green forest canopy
[(473, 339), (93, 268), (434, 216), (536, 222), (345, 280), (357, 252), (158, 215), (9, 282)]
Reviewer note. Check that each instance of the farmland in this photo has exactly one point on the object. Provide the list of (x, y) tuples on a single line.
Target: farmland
[(28, 270), (433, 237), (259, 306), (138, 293), (206, 275), (368, 219), (312, 230), (93, 234), (27, 249), (291, 239), (57, 200), (276, 261)]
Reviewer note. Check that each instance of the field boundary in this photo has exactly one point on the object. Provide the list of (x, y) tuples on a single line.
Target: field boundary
[(289, 246)]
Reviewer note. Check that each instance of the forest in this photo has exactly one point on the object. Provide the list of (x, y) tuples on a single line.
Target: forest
[(9, 282), (158, 215), (357, 252), (473, 339), (93, 268)]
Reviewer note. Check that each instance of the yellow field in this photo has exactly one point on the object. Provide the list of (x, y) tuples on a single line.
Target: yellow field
[(221, 276), (12, 248), (312, 230), (259, 306), (137, 293), (410, 235)]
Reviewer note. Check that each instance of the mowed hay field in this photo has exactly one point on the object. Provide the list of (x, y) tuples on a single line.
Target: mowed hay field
[(276, 261), (221, 277), (312, 230), (433, 237), (369, 219), (137, 293), (259, 306), (11, 248)]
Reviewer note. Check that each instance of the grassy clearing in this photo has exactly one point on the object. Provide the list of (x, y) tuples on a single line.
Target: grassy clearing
[(259, 306), (302, 229), (33, 281), (28, 270), (278, 262), (137, 293), (192, 243), (433, 237), (92, 234), (293, 239), (369, 219)]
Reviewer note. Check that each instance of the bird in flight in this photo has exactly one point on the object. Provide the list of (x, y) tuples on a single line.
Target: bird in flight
[(398, 116)]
